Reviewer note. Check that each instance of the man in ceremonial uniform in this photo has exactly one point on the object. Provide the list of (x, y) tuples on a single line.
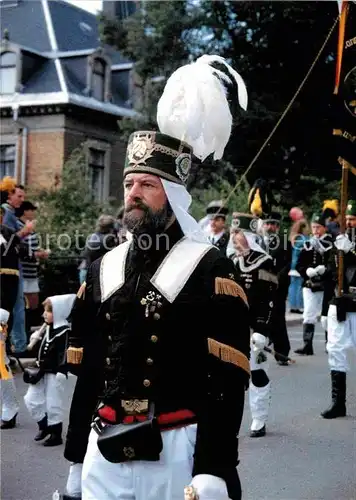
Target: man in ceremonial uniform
[(311, 266), (256, 275), (342, 315), (218, 235), (161, 380), (279, 248)]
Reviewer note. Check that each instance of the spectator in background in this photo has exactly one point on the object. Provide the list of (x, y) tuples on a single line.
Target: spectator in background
[(330, 214), (98, 243), (29, 263), (120, 230), (298, 236), (14, 194)]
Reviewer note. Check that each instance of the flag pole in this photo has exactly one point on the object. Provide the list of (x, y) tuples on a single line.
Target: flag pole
[(343, 8)]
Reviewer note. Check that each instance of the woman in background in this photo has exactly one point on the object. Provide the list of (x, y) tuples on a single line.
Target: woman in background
[(298, 236)]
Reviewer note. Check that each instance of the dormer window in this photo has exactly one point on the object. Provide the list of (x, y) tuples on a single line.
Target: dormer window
[(99, 76), (8, 72), (98, 79)]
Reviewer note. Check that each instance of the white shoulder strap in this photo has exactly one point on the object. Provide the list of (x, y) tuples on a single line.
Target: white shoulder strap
[(112, 270), (177, 267)]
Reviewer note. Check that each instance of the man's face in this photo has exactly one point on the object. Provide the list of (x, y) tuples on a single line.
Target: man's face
[(270, 227), (146, 204), (217, 224), (16, 198), (239, 241), (318, 230), (351, 221)]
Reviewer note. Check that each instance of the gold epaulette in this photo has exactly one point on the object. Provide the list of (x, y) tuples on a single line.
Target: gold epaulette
[(81, 291), (226, 286), (74, 355), (229, 354)]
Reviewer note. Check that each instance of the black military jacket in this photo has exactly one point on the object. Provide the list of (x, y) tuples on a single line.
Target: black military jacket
[(172, 355), (347, 302), (222, 243), (11, 249), (256, 274), (310, 257), (51, 354)]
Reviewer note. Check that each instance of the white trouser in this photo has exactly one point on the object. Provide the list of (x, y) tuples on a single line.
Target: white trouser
[(313, 302), (46, 397), (259, 397), (141, 480), (341, 336), (9, 402)]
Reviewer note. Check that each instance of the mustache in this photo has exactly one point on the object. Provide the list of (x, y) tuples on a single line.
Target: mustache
[(138, 204)]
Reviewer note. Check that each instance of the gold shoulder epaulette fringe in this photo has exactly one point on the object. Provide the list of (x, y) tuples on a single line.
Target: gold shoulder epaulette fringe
[(229, 354), (81, 291), (225, 286), (74, 355)]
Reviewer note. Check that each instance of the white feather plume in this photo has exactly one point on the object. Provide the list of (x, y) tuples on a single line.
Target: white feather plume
[(194, 107)]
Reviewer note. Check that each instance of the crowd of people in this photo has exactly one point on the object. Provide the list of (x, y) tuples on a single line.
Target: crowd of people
[(161, 370)]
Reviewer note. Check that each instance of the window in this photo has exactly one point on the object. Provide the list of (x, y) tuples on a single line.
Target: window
[(7, 160), (8, 75), (97, 173), (98, 79)]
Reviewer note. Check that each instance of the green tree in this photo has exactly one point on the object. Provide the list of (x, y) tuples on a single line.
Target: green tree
[(67, 213), (272, 45)]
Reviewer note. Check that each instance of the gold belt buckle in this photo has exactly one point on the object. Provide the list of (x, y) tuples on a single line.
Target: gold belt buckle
[(134, 406)]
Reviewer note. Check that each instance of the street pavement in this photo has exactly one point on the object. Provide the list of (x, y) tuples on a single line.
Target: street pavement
[(303, 457)]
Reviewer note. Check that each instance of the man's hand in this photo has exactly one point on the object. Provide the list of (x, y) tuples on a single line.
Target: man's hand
[(312, 272), (259, 341), (42, 254), (343, 243), (28, 228), (206, 487)]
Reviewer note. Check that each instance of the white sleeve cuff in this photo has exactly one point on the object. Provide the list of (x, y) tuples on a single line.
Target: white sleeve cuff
[(210, 487), (4, 316)]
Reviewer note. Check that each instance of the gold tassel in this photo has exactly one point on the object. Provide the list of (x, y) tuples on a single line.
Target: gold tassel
[(5, 372), (225, 286), (74, 355), (81, 291), (229, 354)]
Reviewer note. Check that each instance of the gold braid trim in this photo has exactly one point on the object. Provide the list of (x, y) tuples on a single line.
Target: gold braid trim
[(229, 355), (81, 291), (225, 286), (11, 272), (74, 355)]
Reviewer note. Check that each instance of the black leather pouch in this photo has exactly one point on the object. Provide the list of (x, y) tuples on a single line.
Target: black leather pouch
[(126, 442), (32, 375)]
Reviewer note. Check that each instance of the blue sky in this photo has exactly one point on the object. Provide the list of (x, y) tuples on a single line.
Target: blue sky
[(91, 5)]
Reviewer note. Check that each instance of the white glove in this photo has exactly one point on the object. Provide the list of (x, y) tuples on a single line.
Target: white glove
[(207, 487), (343, 243), (60, 377), (35, 336), (320, 270), (312, 272), (324, 322), (259, 341), (74, 481), (4, 316)]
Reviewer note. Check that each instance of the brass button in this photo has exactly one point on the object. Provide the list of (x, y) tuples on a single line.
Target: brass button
[(156, 316), (154, 338), (108, 361), (149, 361), (107, 316), (146, 382)]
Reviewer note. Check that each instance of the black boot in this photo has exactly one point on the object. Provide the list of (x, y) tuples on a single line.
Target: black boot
[(308, 335), (43, 429), (55, 438), (338, 396), (8, 424), (69, 497)]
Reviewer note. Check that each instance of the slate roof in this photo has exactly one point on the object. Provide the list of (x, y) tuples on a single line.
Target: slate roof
[(57, 37)]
